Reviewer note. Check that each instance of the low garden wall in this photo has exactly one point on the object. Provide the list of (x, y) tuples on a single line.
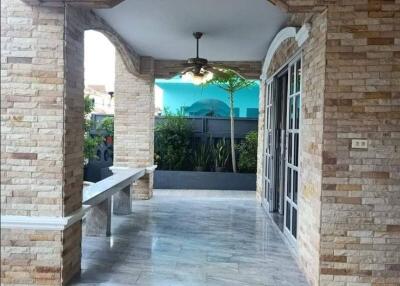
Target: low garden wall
[(204, 180)]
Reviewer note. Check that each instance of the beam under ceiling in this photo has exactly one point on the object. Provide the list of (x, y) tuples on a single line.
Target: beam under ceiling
[(166, 69), (81, 3)]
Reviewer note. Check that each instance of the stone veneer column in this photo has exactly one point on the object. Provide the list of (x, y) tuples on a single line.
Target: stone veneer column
[(360, 219), (134, 123), (41, 144), (349, 198)]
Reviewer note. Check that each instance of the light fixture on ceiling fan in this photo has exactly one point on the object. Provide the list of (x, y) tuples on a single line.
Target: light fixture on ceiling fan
[(198, 72)]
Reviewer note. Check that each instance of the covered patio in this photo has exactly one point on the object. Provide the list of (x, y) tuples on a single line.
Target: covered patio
[(328, 155)]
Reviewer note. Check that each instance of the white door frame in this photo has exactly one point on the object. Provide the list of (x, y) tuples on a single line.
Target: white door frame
[(268, 178), (293, 128)]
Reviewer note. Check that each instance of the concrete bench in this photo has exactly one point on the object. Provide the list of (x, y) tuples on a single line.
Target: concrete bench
[(99, 197)]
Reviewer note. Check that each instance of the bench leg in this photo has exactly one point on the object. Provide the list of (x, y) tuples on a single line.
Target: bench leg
[(122, 202), (98, 219)]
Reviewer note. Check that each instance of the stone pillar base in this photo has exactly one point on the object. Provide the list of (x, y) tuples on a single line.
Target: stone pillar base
[(143, 188), (40, 257)]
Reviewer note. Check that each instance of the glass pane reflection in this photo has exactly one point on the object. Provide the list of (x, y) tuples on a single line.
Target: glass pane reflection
[(295, 180), (292, 79), (288, 209), (294, 222), (289, 183), (290, 140), (298, 75), (297, 112)]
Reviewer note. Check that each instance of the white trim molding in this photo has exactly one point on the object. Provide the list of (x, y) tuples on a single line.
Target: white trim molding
[(300, 35), (303, 34), (151, 169), (42, 222)]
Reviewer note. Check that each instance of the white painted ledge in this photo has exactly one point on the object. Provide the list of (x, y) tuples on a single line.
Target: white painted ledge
[(116, 169), (151, 169), (41, 222)]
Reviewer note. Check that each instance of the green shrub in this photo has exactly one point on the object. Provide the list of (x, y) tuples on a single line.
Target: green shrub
[(172, 142), (247, 150)]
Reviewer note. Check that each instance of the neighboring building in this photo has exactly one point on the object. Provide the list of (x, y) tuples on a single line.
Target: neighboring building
[(207, 100), (103, 100)]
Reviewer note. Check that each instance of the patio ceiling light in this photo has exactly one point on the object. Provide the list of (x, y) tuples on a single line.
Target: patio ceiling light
[(201, 78), (198, 70)]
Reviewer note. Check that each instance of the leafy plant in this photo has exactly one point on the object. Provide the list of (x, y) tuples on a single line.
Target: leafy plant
[(172, 142), (231, 82), (90, 142), (202, 156), (107, 125), (221, 154), (247, 150), (89, 105)]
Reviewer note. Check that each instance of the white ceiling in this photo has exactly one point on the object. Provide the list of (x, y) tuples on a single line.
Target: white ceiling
[(233, 29)]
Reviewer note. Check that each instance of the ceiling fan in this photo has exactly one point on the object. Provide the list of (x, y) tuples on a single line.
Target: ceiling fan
[(199, 71)]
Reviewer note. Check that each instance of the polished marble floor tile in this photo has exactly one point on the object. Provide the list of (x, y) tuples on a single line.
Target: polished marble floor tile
[(191, 238)]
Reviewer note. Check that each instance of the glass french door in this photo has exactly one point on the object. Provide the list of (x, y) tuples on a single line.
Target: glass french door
[(268, 152), (292, 151)]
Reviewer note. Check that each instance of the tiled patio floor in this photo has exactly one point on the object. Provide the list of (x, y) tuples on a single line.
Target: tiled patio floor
[(192, 238)]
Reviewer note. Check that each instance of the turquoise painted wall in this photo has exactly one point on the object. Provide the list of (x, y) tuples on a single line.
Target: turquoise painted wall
[(177, 94)]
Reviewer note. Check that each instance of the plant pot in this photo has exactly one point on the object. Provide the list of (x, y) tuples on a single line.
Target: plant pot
[(219, 169), (85, 170), (109, 140), (199, 169)]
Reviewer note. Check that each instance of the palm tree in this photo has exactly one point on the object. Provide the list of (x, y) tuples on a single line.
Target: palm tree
[(231, 82)]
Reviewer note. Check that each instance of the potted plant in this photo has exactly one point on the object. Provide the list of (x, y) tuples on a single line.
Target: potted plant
[(201, 158), (107, 126), (221, 155)]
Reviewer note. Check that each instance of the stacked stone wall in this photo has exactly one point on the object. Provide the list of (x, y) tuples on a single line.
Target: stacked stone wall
[(134, 124), (311, 134), (41, 140), (170, 68), (360, 230), (32, 93), (287, 49), (73, 111)]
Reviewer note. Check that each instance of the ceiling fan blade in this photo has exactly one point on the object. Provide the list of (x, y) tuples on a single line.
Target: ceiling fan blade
[(220, 69), (185, 70)]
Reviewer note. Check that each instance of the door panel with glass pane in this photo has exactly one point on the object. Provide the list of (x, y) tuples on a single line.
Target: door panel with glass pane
[(268, 152), (292, 158)]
